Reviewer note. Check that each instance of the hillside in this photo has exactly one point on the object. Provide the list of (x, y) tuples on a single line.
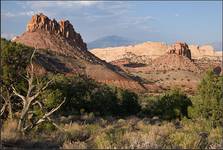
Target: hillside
[(58, 41), (174, 68)]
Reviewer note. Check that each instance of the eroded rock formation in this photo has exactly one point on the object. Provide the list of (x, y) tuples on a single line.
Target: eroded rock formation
[(180, 49), (62, 28)]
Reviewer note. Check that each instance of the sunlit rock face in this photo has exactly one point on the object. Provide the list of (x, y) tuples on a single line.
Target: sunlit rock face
[(62, 28), (180, 48)]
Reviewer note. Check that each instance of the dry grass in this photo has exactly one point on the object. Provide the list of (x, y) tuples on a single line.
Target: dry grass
[(74, 145), (129, 133), (9, 131), (140, 140), (74, 127)]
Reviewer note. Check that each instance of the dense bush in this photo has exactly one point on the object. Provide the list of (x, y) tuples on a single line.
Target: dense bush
[(130, 104), (84, 94), (173, 104), (14, 60), (208, 102)]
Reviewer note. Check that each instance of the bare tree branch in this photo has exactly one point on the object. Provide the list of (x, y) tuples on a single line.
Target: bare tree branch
[(3, 109), (33, 91), (17, 94), (30, 87), (50, 113), (40, 90), (3, 97), (31, 76), (4, 105), (46, 116), (37, 102)]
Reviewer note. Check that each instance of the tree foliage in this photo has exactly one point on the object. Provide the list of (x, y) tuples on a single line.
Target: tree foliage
[(14, 60), (209, 99), (86, 94), (171, 105)]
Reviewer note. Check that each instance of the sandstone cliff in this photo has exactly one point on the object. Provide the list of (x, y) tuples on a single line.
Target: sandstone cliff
[(153, 50)]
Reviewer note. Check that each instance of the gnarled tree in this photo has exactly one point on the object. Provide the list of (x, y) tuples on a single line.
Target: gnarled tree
[(30, 98)]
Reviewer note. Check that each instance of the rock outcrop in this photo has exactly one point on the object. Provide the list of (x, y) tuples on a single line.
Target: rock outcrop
[(180, 48), (175, 62), (61, 50), (62, 28)]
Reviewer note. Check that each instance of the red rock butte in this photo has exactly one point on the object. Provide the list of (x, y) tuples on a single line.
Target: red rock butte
[(62, 28)]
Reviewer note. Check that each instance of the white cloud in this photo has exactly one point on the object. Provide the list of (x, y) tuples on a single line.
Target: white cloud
[(177, 15), (62, 4), (137, 21), (17, 14), (88, 3), (26, 13), (38, 4), (106, 7)]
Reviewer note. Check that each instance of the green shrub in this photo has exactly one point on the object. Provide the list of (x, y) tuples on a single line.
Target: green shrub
[(86, 94), (170, 106), (130, 105), (14, 60), (208, 102), (45, 127)]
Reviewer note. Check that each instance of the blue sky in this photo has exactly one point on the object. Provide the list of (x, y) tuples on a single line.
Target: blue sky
[(197, 22)]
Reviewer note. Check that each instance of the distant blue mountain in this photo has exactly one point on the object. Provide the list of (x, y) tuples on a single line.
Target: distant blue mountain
[(110, 41)]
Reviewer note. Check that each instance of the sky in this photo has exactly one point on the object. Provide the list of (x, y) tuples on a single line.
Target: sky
[(195, 22)]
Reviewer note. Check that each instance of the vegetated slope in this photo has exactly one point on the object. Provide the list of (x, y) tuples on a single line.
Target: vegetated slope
[(58, 42)]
